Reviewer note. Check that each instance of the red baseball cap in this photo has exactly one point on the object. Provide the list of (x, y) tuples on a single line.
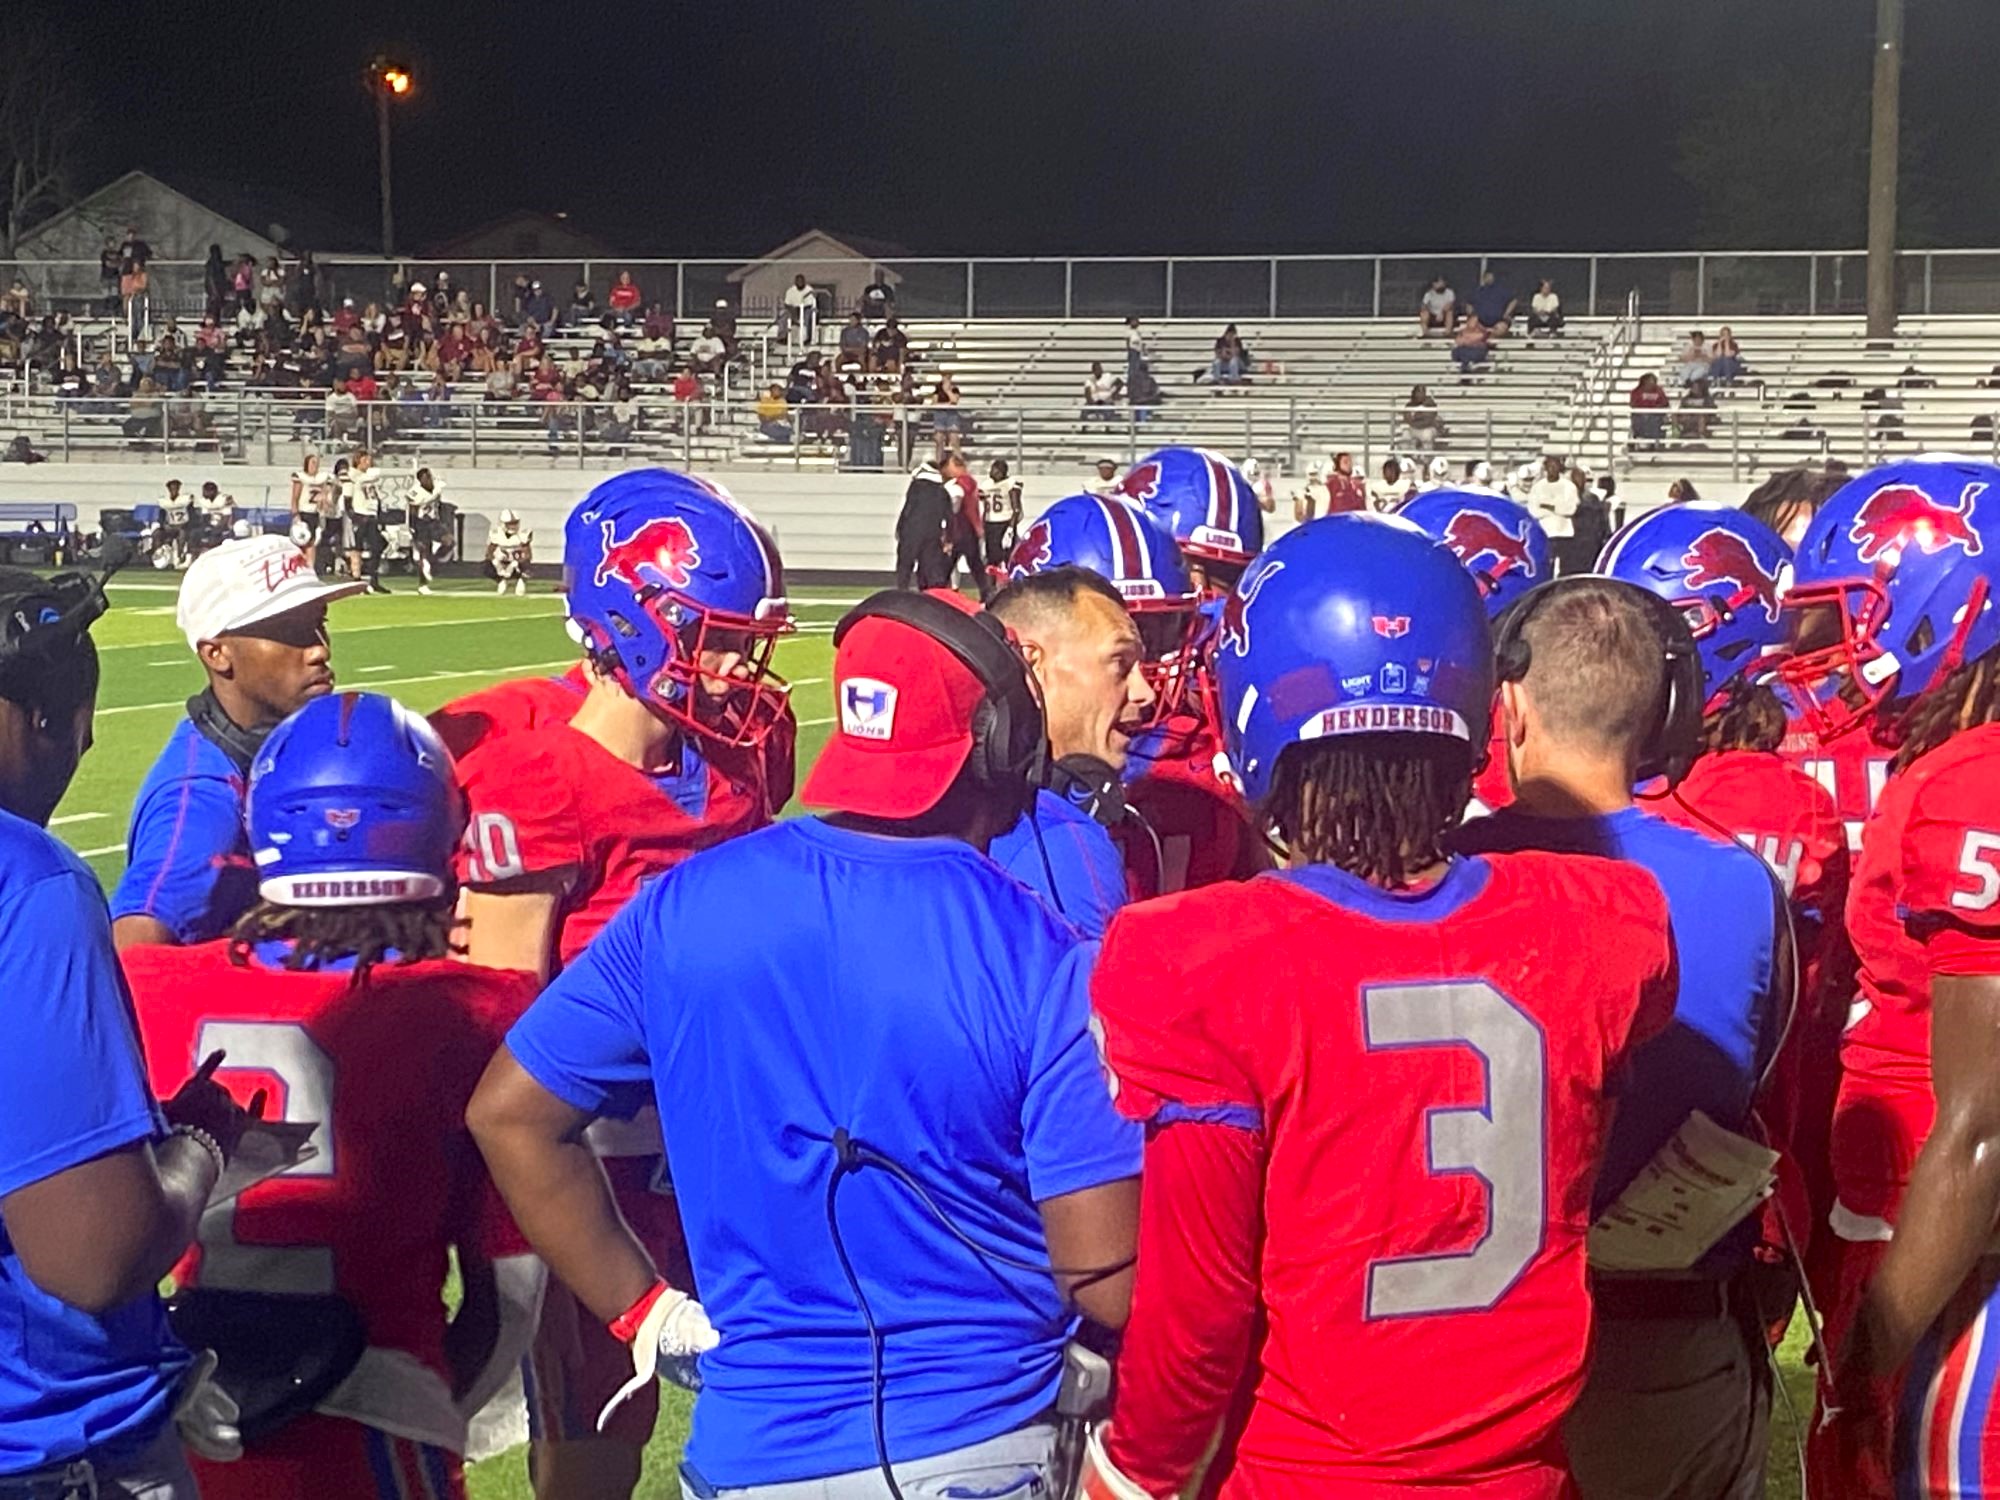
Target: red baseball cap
[(904, 706)]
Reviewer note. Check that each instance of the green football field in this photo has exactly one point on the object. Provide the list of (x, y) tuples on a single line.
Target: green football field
[(427, 651)]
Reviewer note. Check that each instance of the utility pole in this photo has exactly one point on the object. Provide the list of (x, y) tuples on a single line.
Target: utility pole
[(382, 140), (1883, 145)]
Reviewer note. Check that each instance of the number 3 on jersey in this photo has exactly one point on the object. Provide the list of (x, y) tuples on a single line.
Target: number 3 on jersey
[(1500, 1141)]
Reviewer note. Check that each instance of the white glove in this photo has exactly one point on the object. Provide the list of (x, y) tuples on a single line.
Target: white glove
[(1101, 1479), (206, 1414), (675, 1326)]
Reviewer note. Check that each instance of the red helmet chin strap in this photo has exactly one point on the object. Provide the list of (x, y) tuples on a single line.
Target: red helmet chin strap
[(1954, 652)]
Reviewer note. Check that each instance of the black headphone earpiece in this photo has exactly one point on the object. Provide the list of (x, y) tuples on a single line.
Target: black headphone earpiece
[(1675, 741), (1009, 737)]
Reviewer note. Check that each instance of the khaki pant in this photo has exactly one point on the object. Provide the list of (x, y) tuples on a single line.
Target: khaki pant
[(1674, 1409)]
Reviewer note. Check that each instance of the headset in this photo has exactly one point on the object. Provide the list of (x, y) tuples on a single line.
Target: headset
[(1675, 738), (1010, 745)]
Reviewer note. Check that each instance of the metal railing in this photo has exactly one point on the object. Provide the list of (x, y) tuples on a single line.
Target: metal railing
[(1713, 284)]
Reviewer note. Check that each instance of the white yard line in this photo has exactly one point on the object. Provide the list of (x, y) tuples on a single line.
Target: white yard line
[(107, 849), (68, 818), (379, 682)]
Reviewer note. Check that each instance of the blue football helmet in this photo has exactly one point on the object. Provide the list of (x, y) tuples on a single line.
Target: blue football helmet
[(1203, 501), (1352, 624), (1500, 542), (1726, 572), (661, 567), (1893, 588), (1119, 542), (353, 802)]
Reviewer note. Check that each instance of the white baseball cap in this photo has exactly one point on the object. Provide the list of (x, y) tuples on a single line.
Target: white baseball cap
[(246, 580)]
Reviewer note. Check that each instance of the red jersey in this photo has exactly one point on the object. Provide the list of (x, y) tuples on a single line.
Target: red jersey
[(1853, 766), (1408, 1093), (1204, 833), (508, 707), (549, 799), (386, 1072)]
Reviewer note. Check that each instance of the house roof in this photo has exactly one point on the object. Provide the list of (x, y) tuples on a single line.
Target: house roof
[(595, 246), (254, 212), (859, 247)]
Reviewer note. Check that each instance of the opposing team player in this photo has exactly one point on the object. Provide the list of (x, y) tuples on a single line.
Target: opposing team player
[(1912, 633), (1417, 1315), (1933, 849), (1174, 776), (1726, 572), (323, 1288), (1506, 551), (510, 553), (678, 598)]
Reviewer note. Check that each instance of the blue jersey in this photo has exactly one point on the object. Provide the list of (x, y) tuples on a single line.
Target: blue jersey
[(187, 854), (1722, 906), (72, 1088), (1089, 876), (807, 979)]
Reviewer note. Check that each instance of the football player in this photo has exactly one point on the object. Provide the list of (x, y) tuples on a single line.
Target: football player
[(1931, 860), (1726, 572), (337, 994), (510, 553), (1368, 1174), (1919, 617), (1506, 550), (678, 599), (1175, 776)]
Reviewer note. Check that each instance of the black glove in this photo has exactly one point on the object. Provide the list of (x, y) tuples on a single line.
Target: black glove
[(205, 1105)]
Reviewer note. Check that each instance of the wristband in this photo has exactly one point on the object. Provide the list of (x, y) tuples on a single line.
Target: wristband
[(207, 1143), (625, 1327)]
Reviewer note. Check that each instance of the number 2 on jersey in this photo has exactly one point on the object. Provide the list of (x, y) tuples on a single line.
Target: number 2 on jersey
[(1500, 1141)]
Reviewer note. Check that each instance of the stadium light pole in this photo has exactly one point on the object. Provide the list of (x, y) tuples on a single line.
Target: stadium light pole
[(389, 81), (1883, 146)]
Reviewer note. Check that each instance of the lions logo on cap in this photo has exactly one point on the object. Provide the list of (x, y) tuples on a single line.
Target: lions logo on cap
[(867, 708)]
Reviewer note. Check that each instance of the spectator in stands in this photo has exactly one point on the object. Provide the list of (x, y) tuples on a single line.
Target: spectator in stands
[(108, 274), (1138, 350), (1693, 359), (878, 298), (621, 421), (654, 358), (503, 381), (134, 281), (774, 415), (1437, 308), (243, 282), (106, 384), (1106, 482), (20, 451), (946, 426), (271, 287), (854, 344), (802, 310), (147, 412), (1696, 416), (168, 372), (659, 324), (1553, 499), (342, 412), (1545, 311), (624, 299), (1345, 489), (538, 308), (1494, 305), (1100, 395), (708, 352), (1422, 423), (1229, 363), (1649, 412), (832, 403), (453, 351), (582, 305), (17, 300), (890, 348), (1469, 346), (1725, 364), (305, 285)]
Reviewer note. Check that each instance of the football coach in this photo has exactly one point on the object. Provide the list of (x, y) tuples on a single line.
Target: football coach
[(254, 614), (895, 1154)]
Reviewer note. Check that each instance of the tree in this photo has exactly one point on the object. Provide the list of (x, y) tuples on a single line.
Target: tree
[(43, 120)]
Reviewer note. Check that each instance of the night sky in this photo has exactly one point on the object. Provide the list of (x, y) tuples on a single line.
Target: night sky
[(958, 126)]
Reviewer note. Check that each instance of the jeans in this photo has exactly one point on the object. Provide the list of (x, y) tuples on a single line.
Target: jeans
[(157, 1472), (1724, 368), (1013, 1466)]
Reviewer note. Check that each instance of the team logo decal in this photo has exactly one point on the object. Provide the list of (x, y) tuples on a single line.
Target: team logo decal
[(1141, 482), (1389, 627), (1901, 515), (661, 553), (867, 708), (1235, 635), (1473, 535), (1033, 552), (1718, 557), (342, 818)]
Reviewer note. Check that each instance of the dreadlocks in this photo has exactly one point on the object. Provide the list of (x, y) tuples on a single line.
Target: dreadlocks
[(1751, 718), (1377, 805), (319, 935), (1966, 699)]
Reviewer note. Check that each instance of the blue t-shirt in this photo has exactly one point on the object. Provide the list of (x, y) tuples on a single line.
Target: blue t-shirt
[(187, 853), (1723, 911), (1489, 303), (806, 979), (72, 1088), (1089, 875)]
